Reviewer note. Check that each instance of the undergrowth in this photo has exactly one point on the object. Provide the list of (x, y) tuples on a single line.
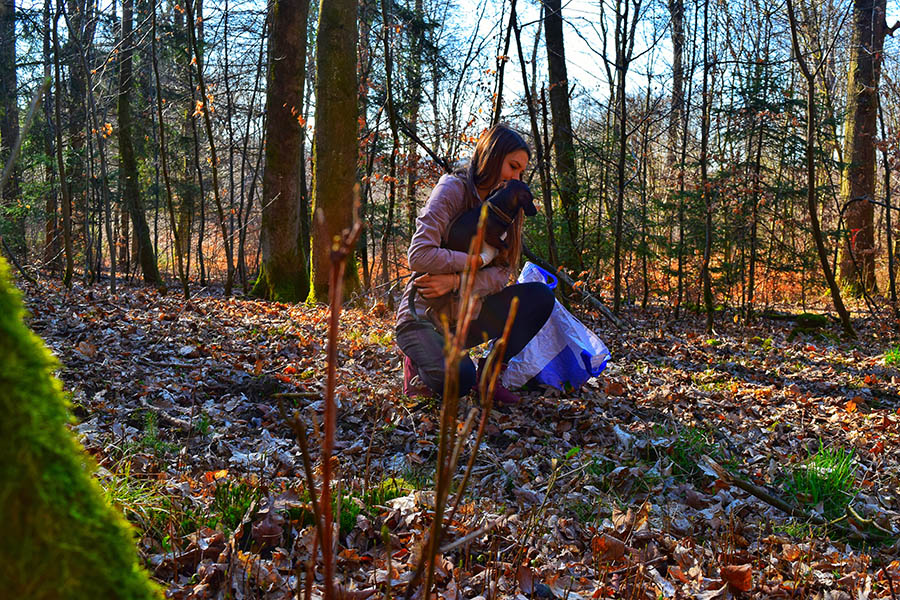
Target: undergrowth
[(825, 480)]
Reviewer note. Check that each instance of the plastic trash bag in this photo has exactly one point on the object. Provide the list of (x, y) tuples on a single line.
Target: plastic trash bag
[(563, 354)]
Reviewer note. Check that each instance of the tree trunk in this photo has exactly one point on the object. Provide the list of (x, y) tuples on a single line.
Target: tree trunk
[(414, 76), (60, 164), (395, 143), (12, 216), (539, 151), (206, 100), (49, 494), (625, 33), (282, 275), (177, 233), (52, 241), (563, 146), (128, 173), (705, 187), (811, 176), (886, 162), (502, 58), (335, 143), (857, 270)]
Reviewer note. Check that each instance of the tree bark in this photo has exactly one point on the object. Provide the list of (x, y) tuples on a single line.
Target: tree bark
[(206, 100), (857, 262), (52, 241), (414, 76), (335, 143), (624, 36), (283, 275), (502, 58), (705, 187)]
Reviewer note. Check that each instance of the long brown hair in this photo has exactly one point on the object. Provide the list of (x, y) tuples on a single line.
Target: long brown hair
[(484, 172)]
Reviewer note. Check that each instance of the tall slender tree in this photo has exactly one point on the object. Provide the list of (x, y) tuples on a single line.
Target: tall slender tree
[(563, 144), (395, 138), (334, 142), (129, 183), (811, 196)]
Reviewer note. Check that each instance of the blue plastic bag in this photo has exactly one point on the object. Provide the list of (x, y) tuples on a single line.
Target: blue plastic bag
[(563, 354)]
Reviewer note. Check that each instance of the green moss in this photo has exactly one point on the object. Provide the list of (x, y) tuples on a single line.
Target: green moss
[(60, 537), (284, 281)]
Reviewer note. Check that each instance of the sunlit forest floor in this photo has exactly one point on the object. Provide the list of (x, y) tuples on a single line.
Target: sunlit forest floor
[(607, 492)]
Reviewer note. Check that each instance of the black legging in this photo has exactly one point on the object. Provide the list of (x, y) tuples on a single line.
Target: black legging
[(424, 345)]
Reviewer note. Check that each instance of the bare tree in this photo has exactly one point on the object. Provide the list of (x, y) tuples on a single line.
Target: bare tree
[(128, 172), (811, 200)]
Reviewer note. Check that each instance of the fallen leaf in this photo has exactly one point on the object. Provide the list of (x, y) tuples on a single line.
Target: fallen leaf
[(739, 577), (607, 548)]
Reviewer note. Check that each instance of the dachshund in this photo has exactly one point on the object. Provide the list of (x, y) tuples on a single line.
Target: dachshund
[(504, 203)]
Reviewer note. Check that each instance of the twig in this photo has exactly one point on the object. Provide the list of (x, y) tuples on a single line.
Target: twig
[(297, 395), (486, 387), (471, 536), (871, 522), (341, 249), (174, 421), (299, 430), (453, 350)]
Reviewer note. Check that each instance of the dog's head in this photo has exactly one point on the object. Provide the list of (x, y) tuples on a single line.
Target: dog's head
[(511, 196)]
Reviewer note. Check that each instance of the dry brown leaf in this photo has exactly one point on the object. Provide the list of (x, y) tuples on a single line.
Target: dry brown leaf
[(607, 548), (739, 577)]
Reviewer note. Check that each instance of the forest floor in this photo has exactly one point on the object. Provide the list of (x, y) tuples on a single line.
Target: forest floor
[(600, 493)]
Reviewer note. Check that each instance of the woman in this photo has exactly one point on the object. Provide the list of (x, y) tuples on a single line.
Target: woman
[(500, 155)]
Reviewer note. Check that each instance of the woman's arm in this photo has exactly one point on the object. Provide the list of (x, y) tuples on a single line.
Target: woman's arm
[(425, 253)]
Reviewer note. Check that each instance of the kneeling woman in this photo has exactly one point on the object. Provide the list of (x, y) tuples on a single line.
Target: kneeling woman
[(500, 155)]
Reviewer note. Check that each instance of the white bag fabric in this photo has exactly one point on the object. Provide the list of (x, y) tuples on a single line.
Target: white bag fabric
[(563, 354)]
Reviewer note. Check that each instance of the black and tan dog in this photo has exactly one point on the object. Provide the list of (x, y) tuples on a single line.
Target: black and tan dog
[(504, 203)]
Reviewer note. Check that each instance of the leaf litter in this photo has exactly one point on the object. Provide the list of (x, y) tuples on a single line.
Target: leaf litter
[(601, 493)]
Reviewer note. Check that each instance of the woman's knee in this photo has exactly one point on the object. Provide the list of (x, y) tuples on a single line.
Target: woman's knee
[(434, 378), (541, 298)]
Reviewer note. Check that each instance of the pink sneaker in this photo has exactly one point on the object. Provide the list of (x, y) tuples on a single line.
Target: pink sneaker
[(413, 386), (502, 396)]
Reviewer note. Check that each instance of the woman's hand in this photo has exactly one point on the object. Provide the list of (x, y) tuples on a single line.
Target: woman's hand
[(434, 286)]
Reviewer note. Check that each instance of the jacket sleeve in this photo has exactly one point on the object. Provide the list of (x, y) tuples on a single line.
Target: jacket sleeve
[(425, 254)]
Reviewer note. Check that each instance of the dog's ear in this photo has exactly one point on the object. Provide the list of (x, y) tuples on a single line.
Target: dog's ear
[(526, 201)]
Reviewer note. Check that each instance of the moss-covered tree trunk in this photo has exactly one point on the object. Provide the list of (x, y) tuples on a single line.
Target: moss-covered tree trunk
[(60, 539), (335, 144), (283, 274), (128, 172), (860, 130)]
